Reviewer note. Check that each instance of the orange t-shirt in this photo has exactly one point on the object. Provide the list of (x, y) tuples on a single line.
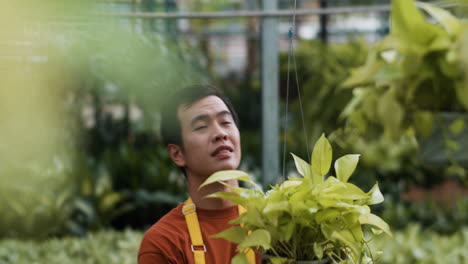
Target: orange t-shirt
[(168, 241)]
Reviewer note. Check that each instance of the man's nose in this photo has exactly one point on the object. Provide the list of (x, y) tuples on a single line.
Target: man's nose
[(219, 134)]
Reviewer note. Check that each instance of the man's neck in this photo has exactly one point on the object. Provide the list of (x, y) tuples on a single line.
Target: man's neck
[(198, 196)]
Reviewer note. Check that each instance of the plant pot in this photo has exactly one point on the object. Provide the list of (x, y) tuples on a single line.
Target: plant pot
[(325, 260)]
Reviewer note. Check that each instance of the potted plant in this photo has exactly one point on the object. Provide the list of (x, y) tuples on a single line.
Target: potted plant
[(413, 77), (312, 218)]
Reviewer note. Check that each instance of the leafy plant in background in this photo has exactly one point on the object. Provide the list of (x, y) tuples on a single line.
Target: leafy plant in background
[(423, 246), (308, 218), (129, 182), (124, 175), (410, 245), (412, 75), (36, 164), (440, 218), (102, 247), (321, 68), (117, 174)]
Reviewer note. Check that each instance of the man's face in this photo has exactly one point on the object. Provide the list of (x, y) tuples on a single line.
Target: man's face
[(210, 138)]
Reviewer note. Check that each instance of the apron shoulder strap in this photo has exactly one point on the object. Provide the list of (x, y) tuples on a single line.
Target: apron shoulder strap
[(197, 246), (193, 226)]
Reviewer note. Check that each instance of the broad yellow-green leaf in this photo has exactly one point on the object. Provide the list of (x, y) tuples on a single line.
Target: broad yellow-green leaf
[(286, 231), (258, 238), (457, 126), (359, 94), (376, 231), (326, 215), (450, 23), (375, 195), (391, 113), (226, 175), (234, 234), (302, 166), (361, 209), (276, 207), (409, 23), (347, 238), (234, 188), (461, 88), (233, 197), (318, 250), (441, 43), (372, 219), (452, 144), (290, 183), (345, 166), (240, 258), (365, 74), (252, 216), (423, 123), (321, 159)]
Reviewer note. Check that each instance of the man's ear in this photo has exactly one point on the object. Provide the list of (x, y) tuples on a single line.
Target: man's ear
[(176, 154)]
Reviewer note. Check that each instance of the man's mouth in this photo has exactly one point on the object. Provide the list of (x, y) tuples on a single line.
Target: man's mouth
[(222, 151)]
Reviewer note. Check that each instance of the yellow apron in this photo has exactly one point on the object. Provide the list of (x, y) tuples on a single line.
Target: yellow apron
[(197, 246)]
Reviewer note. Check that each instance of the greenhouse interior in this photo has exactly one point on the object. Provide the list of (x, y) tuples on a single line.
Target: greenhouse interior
[(348, 142)]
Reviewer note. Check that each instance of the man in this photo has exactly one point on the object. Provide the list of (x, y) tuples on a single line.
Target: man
[(200, 130)]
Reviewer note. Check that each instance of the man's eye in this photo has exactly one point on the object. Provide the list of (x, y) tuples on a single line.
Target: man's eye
[(226, 123), (199, 127)]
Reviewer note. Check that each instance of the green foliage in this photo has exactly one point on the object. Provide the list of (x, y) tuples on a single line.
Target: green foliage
[(321, 68), (52, 183), (416, 70), (305, 218), (419, 246), (102, 247), (410, 245), (35, 152), (444, 219), (124, 175)]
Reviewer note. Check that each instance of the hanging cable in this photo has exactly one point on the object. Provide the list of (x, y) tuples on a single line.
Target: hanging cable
[(285, 125)]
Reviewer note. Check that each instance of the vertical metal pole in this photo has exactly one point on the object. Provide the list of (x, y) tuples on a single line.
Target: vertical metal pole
[(324, 22), (270, 96)]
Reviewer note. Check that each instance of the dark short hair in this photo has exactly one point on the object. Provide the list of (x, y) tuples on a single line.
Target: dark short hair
[(170, 125)]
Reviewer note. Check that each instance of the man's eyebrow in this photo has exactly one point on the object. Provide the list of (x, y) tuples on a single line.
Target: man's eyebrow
[(224, 113), (203, 117), (198, 118)]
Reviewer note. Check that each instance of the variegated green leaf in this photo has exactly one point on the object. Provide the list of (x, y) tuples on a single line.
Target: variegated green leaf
[(345, 166), (457, 126), (276, 207), (233, 197), (372, 219), (450, 23), (234, 234), (409, 23), (302, 167), (376, 196), (318, 250), (240, 258), (258, 238), (321, 159), (226, 175), (348, 239), (461, 88)]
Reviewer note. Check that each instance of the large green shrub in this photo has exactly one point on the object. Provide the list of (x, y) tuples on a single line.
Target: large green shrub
[(106, 247), (320, 68), (418, 246), (411, 245)]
